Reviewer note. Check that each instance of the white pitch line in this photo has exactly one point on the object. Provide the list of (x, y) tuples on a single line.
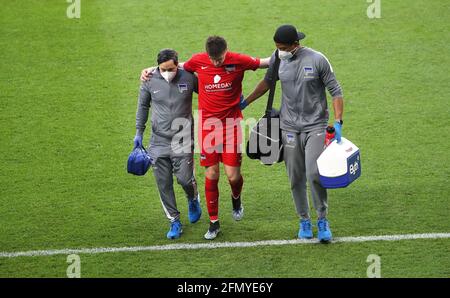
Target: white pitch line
[(213, 245)]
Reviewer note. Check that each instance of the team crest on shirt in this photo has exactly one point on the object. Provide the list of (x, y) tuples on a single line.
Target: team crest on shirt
[(309, 71), (230, 67), (182, 87)]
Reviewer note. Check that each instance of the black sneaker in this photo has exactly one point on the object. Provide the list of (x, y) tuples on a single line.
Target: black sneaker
[(238, 209), (214, 229), (238, 214)]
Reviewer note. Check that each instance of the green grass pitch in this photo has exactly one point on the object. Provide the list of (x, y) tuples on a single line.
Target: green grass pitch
[(68, 92)]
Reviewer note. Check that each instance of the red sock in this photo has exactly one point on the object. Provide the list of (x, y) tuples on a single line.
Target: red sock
[(212, 198), (236, 187)]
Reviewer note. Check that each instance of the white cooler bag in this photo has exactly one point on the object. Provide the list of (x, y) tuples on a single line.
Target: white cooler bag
[(339, 164)]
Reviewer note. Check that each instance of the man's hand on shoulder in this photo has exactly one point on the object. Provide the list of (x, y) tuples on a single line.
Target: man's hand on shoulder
[(147, 73)]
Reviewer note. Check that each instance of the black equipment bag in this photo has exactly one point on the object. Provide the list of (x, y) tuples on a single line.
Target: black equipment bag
[(264, 142)]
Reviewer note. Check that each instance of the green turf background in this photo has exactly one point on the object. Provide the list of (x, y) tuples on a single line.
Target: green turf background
[(68, 90)]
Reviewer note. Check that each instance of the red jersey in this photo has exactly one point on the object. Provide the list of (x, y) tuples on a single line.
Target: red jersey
[(220, 88)]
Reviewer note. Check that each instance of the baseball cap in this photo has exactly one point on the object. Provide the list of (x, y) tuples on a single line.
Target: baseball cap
[(288, 34)]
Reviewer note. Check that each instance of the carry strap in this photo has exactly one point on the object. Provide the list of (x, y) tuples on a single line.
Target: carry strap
[(273, 83)]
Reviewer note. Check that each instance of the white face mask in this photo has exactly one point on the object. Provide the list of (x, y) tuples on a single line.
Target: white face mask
[(168, 75), (286, 55)]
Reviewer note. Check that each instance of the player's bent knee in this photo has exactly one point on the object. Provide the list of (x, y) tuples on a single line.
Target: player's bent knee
[(234, 178), (212, 172)]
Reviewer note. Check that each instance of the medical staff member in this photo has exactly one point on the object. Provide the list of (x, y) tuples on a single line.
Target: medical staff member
[(169, 94), (304, 74)]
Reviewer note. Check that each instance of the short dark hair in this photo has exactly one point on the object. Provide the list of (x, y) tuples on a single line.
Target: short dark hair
[(215, 46), (167, 54)]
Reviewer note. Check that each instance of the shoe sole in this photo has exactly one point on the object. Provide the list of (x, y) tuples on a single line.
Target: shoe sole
[(239, 218), (217, 233), (194, 221), (175, 237), (326, 240), (303, 237)]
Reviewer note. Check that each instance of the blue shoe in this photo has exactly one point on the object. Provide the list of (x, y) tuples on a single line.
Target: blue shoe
[(195, 211), (175, 230), (305, 229), (324, 234)]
